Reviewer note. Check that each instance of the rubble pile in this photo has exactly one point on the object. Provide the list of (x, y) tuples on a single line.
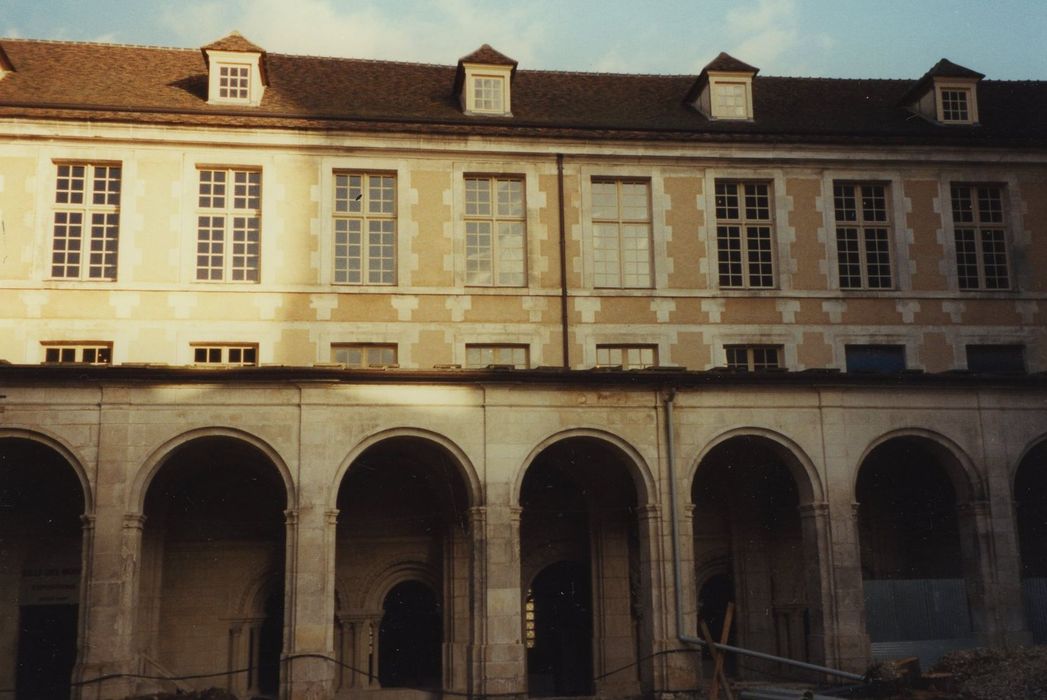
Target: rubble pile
[(988, 674)]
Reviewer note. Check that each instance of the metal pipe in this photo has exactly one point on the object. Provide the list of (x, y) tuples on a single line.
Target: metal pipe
[(670, 455)]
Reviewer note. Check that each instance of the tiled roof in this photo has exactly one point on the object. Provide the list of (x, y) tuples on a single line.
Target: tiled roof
[(485, 54), (947, 69), (234, 42), (100, 82), (729, 64)]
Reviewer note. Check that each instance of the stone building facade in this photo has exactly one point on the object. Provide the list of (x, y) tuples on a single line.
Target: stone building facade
[(327, 377)]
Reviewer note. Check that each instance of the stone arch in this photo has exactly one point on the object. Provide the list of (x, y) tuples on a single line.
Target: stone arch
[(379, 585), (255, 593), (639, 471), (968, 484), (1036, 443), (161, 454), (801, 466), (461, 461), (75, 462)]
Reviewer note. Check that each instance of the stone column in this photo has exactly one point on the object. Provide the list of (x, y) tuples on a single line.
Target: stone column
[(818, 584), (976, 544), (309, 629), (850, 641), (499, 646), (679, 669)]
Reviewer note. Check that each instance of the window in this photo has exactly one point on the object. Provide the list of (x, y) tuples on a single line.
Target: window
[(87, 196), (225, 355), (362, 355), (731, 100), (229, 225), (486, 355), (234, 82), (621, 233), (743, 234), (627, 356), (875, 358), (753, 358), (78, 353), (955, 105), (981, 247), (488, 91), (1000, 359), (494, 231), (862, 236), (364, 228)]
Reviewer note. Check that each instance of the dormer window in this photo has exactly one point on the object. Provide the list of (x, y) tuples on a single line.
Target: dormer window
[(234, 82), (482, 83), (236, 71), (488, 94), (724, 90), (947, 94)]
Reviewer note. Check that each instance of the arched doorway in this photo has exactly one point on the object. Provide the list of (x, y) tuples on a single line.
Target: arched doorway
[(747, 493), (403, 520), (41, 501), (917, 600), (581, 572), (411, 634), (1030, 503), (213, 528), (559, 621)]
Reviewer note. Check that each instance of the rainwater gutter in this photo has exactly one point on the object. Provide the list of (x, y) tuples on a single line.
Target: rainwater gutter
[(681, 630)]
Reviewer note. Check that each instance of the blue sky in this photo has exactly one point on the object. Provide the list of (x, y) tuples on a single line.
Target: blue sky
[(1005, 39)]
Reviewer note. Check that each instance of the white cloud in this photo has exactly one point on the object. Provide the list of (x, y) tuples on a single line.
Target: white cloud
[(418, 32), (768, 34)]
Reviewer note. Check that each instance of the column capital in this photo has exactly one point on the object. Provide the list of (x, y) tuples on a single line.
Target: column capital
[(331, 516), (134, 521), (291, 516), (649, 511), (87, 522), (973, 508), (814, 510)]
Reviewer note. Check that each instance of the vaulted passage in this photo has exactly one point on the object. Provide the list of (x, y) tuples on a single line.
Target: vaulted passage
[(914, 568), (580, 571), (1030, 501), (752, 548), (41, 501), (402, 568), (212, 591)]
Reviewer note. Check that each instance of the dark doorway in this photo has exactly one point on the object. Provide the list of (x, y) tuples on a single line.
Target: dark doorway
[(560, 662), (409, 638), (715, 594), (1030, 502), (270, 644), (46, 651)]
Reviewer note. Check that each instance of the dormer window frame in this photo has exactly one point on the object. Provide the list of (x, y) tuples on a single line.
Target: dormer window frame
[(720, 80), (225, 82), (234, 60), (474, 74), (968, 88)]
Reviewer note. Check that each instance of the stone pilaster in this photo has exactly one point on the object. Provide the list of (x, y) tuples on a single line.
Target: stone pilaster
[(503, 664)]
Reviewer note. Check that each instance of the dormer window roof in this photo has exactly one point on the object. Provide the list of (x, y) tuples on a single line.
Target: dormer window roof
[(235, 70), (482, 82), (5, 63), (946, 94), (724, 89)]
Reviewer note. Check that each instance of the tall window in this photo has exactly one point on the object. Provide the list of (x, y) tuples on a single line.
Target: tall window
[(223, 355), (980, 234), (363, 355), (753, 358), (364, 228), (485, 355), (78, 353), (229, 225), (744, 247), (627, 356), (494, 231), (621, 233), (86, 221), (863, 248)]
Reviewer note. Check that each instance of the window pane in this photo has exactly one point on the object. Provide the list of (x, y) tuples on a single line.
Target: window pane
[(875, 358)]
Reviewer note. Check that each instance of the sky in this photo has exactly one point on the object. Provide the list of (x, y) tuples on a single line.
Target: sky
[(1004, 39)]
